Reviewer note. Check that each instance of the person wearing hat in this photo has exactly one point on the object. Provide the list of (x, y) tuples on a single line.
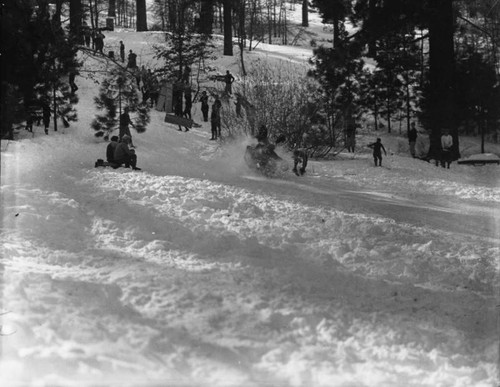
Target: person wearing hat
[(124, 155)]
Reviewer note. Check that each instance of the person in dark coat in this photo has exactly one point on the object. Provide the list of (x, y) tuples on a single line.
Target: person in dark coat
[(228, 79), (122, 51), (186, 74), (188, 102), (87, 33), (132, 60), (124, 155), (238, 104), (73, 72), (99, 42), (204, 105), (110, 150), (377, 151), (215, 118), (412, 139), (46, 117), (125, 121)]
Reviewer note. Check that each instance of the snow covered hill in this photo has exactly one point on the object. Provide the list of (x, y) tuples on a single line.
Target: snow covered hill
[(197, 272)]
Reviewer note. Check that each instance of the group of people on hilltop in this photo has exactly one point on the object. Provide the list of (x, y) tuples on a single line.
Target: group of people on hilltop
[(93, 38)]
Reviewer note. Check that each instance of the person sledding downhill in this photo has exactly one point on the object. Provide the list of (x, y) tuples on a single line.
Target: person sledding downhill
[(262, 156)]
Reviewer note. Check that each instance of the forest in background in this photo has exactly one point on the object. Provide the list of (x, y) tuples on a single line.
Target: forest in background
[(434, 61)]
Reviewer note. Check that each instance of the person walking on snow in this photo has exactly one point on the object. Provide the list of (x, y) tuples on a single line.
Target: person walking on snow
[(412, 139), (377, 151)]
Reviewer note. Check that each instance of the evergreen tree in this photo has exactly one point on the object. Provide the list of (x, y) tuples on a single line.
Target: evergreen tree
[(36, 55), (117, 91), (182, 46)]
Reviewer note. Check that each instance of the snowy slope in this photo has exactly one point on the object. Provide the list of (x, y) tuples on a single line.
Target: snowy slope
[(197, 272)]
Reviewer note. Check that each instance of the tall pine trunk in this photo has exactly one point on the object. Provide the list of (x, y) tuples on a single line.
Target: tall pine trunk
[(112, 8), (206, 17), (441, 76), (75, 20), (228, 28), (305, 13), (141, 19)]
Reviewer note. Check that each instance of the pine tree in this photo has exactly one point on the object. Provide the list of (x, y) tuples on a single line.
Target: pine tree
[(36, 55), (117, 91), (182, 48)]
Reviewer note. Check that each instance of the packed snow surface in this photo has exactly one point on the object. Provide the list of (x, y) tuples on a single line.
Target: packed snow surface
[(198, 272)]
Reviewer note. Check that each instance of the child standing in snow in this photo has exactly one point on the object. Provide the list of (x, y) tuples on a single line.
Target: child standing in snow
[(377, 151)]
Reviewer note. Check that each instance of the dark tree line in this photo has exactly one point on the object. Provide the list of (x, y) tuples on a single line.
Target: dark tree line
[(36, 53), (419, 67)]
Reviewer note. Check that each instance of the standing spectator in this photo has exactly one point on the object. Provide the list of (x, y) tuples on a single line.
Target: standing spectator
[(124, 155), (146, 92), (215, 119), (412, 138), (73, 72), (125, 121), (93, 35), (132, 60), (122, 51), (46, 117), (300, 156), (186, 74), (204, 105), (350, 140), (87, 33), (154, 89), (188, 102), (229, 79), (446, 145), (377, 151), (99, 42), (238, 105), (110, 150)]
